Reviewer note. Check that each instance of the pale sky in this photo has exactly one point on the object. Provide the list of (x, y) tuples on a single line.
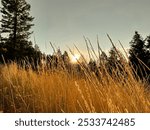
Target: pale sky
[(65, 22)]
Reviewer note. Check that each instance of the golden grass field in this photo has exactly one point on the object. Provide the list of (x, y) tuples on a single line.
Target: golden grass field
[(24, 90)]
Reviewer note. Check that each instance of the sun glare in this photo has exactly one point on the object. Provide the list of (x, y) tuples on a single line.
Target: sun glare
[(75, 58)]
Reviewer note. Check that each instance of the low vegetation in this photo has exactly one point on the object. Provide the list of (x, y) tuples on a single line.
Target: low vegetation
[(25, 90)]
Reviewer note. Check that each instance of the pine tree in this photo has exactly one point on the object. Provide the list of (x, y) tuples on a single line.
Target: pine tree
[(148, 50), (15, 25), (138, 55), (112, 60), (148, 58), (115, 62)]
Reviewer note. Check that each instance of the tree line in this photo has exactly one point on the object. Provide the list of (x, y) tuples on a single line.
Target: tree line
[(15, 44)]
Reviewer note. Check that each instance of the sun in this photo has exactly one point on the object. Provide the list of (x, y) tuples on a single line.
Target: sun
[(74, 58)]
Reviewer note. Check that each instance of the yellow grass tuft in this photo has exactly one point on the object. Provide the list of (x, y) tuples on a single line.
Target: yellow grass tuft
[(29, 91)]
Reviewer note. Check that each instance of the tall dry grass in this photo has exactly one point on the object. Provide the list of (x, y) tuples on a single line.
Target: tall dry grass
[(29, 91), (25, 90)]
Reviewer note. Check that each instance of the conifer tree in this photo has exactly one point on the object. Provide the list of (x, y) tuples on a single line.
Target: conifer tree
[(15, 29), (148, 50), (138, 55), (112, 61), (147, 62)]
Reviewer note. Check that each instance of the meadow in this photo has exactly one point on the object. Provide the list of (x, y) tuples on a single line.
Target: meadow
[(60, 91)]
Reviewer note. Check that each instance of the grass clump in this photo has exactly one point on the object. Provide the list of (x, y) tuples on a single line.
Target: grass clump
[(24, 90)]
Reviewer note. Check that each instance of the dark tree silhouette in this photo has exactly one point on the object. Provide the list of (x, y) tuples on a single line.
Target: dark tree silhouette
[(112, 60), (148, 58), (148, 50), (114, 63), (138, 56), (15, 29)]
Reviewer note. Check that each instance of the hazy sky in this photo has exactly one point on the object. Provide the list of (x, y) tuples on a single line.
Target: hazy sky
[(64, 22)]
